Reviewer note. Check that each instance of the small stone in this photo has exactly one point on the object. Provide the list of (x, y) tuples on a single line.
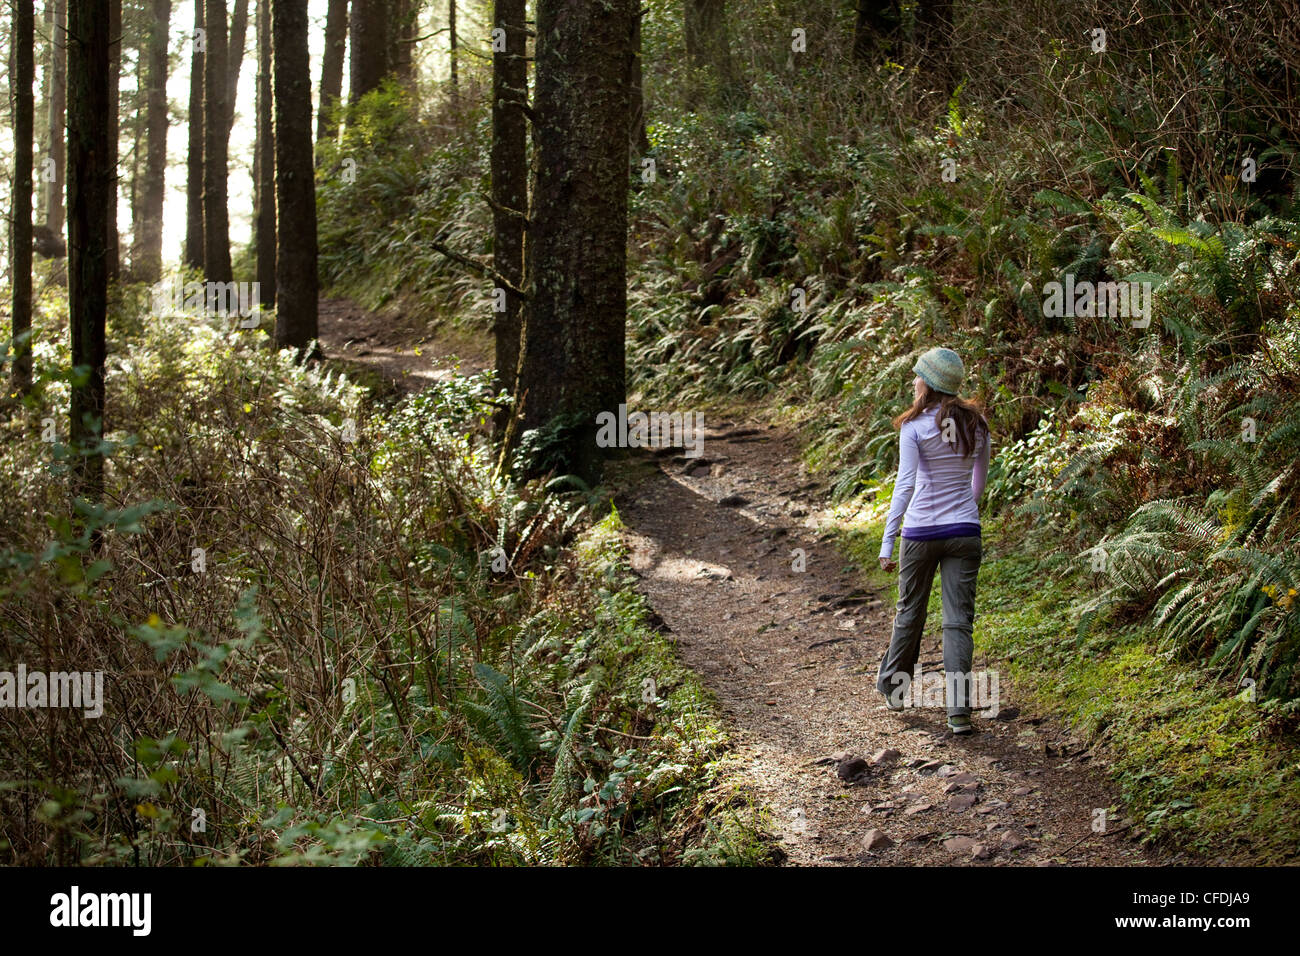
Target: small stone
[(961, 802), (1023, 791), (875, 840), (1012, 841), (884, 756), (1007, 713), (980, 852), (919, 808), (851, 767), (947, 770), (965, 778), (959, 844)]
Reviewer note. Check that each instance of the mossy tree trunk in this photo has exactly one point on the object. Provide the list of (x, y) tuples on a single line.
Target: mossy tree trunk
[(216, 146), (331, 68), (572, 366), (90, 183), (296, 282), (194, 244), (370, 20), (22, 41), (264, 163), (147, 261), (509, 185)]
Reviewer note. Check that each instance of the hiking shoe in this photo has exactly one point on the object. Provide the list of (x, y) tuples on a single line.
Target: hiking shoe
[(960, 724), (889, 704)]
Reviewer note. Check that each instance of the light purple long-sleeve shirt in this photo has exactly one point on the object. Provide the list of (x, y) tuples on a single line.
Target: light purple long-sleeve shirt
[(937, 488)]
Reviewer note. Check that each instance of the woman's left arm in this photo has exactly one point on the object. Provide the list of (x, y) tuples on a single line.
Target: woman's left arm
[(980, 473)]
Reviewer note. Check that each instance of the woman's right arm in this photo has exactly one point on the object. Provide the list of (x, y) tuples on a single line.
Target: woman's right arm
[(904, 485)]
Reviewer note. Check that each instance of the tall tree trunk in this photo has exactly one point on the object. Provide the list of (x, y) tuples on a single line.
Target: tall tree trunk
[(23, 42), (708, 46), (637, 139), (137, 152), (58, 108), (509, 163), (149, 232), (572, 366), (235, 58), (453, 52), (90, 182), (295, 183), (875, 28), (401, 62), (264, 163), (114, 86), (331, 68), (42, 109), (216, 215), (194, 244), (369, 38)]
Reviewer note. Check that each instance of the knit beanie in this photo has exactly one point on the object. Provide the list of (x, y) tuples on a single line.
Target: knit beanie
[(941, 369)]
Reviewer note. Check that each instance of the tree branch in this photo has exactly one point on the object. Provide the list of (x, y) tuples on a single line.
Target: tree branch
[(506, 209), (479, 267)]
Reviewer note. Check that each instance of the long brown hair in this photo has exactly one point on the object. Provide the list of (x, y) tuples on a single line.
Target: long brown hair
[(967, 414)]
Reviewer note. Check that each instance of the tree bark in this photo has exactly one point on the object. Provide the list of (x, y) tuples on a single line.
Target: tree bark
[(216, 215), (509, 164), (331, 69), (235, 56), (23, 42), (137, 152), (369, 39), (90, 182), (147, 261), (573, 366), (638, 141), (264, 163), (114, 86), (295, 184), (401, 62), (452, 51), (194, 240), (58, 107), (42, 109)]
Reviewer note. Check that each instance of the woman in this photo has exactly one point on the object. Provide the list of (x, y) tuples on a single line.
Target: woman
[(945, 439)]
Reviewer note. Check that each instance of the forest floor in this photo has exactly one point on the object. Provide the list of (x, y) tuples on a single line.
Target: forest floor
[(791, 657)]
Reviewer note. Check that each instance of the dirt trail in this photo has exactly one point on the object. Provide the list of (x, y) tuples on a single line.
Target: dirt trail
[(792, 658), (397, 345)]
